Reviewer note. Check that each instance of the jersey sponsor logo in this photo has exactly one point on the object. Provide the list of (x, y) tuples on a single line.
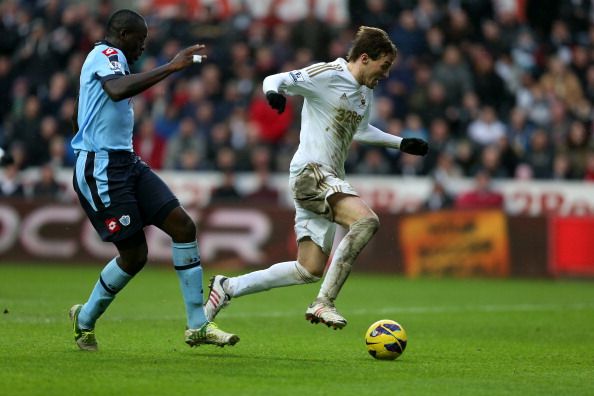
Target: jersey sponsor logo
[(348, 117), (112, 225), (297, 76), (109, 51), (125, 220)]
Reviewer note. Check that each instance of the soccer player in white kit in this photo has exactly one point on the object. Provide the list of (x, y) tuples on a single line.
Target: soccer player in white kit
[(338, 98)]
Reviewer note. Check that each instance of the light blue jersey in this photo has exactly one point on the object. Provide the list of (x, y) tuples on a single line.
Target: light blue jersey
[(104, 125)]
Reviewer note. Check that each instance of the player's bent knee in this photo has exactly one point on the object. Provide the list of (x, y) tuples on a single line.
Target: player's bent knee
[(133, 253), (140, 262), (369, 223), (132, 263), (188, 228), (184, 230), (179, 225)]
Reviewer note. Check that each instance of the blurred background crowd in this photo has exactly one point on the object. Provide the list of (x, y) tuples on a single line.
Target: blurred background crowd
[(499, 88)]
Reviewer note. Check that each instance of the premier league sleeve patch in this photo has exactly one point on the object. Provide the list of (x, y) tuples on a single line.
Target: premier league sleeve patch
[(297, 76)]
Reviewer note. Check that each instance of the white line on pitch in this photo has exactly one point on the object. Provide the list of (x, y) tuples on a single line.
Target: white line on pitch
[(431, 310), (239, 313)]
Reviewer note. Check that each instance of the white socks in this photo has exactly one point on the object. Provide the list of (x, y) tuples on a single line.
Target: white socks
[(278, 275), (292, 273)]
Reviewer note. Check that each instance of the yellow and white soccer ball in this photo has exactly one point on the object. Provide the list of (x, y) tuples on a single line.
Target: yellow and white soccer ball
[(385, 339)]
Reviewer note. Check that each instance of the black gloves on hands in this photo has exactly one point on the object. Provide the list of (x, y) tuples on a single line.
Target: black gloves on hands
[(276, 101), (414, 146)]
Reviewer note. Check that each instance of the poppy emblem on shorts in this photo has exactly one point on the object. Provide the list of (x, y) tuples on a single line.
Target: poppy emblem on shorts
[(125, 220), (112, 225)]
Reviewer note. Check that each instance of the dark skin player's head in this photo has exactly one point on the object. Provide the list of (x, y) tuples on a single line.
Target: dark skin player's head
[(127, 30)]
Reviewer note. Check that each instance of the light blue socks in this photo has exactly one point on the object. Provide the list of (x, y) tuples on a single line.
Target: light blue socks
[(186, 261), (111, 280)]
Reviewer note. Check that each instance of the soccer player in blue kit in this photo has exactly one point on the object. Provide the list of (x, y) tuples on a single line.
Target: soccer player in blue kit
[(118, 191)]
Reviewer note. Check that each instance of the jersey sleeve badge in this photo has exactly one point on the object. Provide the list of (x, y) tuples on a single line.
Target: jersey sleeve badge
[(114, 62), (297, 76), (116, 66), (110, 51)]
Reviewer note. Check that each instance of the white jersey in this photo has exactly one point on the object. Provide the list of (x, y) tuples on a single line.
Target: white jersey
[(336, 106)]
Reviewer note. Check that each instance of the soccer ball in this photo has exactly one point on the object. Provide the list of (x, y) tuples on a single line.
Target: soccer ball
[(385, 339)]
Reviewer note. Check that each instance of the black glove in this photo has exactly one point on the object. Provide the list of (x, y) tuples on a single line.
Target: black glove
[(276, 101), (414, 146)]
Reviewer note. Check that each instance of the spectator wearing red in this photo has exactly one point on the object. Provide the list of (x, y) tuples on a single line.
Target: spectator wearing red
[(148, 145), (272, 125), (481, 196), (265, 193)]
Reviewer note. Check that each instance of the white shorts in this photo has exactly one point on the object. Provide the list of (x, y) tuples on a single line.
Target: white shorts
[(311, 186)]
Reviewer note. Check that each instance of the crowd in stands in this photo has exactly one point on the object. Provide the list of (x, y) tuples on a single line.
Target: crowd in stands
[(495, 86)]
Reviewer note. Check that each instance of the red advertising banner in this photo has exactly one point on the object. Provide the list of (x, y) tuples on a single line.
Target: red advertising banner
[(571, 246), (459, 243)]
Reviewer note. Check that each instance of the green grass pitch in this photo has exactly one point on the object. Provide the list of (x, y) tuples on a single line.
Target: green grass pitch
[(466, 337)]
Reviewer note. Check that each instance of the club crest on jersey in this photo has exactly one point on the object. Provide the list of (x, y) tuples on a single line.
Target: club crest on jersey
[(363, 101), (125, 220), (112, 225), (297, 76), (116, 66)]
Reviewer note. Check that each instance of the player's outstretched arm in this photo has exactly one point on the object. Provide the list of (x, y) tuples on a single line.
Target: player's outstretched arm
[(376, 137), (133, 84)]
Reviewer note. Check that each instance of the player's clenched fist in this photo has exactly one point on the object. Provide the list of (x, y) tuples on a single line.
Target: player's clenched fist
[(414, 146), (276, 101)]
